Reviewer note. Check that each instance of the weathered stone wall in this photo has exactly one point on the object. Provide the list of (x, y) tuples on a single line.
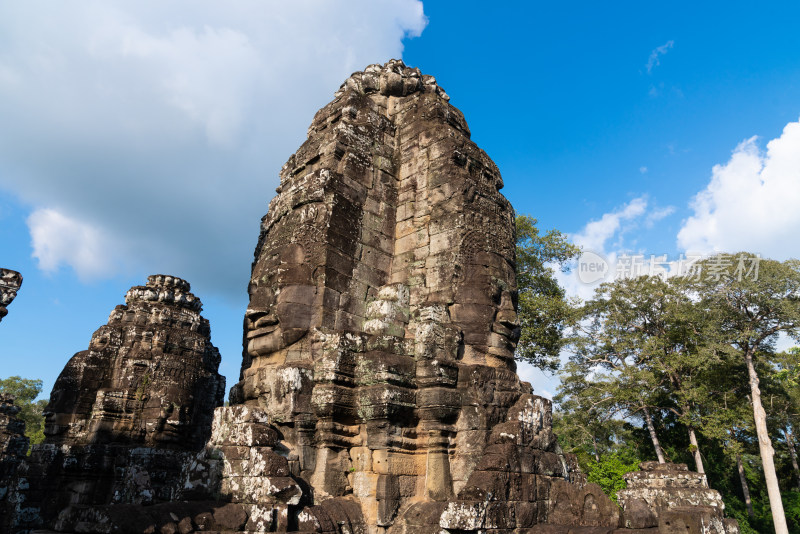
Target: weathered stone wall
[(126, 414), (10, 282)]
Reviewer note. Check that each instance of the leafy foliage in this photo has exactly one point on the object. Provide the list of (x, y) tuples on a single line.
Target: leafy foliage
[(735, 508), (609, 471), (791, 505), (544, 310)]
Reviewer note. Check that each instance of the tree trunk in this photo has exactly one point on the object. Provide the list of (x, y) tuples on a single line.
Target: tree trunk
[(745, 487), (765, 447), (792, 453), (653, 436), (594, 444), (698, 459)]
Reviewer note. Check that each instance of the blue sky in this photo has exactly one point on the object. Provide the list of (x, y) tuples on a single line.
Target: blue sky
[(144, 138)]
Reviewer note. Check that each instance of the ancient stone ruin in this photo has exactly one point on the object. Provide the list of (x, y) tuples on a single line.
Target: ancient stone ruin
[(13, 447), (381, 326), (378, 392), (125, 414), (10, 282), (674, 499), (149, 376)]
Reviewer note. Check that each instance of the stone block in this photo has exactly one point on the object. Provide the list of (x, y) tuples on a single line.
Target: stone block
[(261, 518), (386, 462), (361, 458), (464, 515), (230, 517), (638, 515)]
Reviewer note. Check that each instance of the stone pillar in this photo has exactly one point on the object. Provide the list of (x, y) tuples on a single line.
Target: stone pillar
[(438, 483)]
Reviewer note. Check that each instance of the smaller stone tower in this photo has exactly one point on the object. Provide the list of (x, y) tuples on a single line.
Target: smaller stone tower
[(126, 414), (674, 499)]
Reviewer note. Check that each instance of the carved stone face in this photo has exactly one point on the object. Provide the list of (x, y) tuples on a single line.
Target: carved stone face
[(282, 288), (67, 397), (484, 297)]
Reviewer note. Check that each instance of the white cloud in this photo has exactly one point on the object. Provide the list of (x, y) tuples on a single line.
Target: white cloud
[(595, 234), (658, 214), (166, 123), (655, 56), (751, 202), (57, 239), (603, 243), (593, 239)]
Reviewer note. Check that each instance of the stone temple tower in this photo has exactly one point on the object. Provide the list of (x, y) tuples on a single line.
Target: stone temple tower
[(380, 334), (381, 328)]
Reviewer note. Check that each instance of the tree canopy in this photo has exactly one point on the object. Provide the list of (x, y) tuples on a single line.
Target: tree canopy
[(544, 310), (690, 361)]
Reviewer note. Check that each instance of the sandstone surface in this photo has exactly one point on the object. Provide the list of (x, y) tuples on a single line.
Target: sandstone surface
[(10, 282), (13, 447), (674, 499), (125, 414)]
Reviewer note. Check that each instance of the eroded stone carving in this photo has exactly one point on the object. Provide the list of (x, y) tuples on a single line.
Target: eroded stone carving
[(125, 414), (13, 447), (381, 327), (674, 499), (148, 378), (10, 282)]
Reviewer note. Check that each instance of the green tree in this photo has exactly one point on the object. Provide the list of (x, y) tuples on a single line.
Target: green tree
[(609, 346), (751, 308), (673, 334), (544, 310), (785, 410), (729, 421), (693, 358), (25, 391), (585, 430)]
